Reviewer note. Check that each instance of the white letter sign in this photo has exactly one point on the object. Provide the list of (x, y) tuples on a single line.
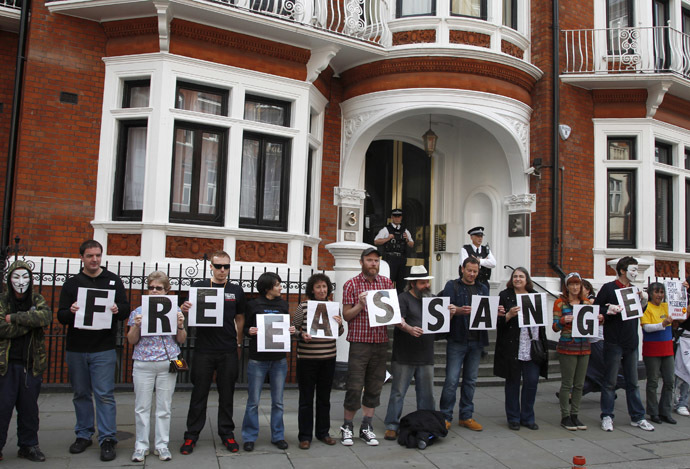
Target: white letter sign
[(629, 299), (207, 307), (532, 309), (585, 321), (435, 315), (383, 308), (677, 298), (320, 319), (484, 313), (94, 309), (158, 315), (274, 333)]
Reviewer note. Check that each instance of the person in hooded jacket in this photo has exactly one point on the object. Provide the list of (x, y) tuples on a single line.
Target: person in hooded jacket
[(23, 315)]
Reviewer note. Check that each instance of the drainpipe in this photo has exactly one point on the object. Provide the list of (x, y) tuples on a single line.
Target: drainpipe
[(14, 127), (555, 167)]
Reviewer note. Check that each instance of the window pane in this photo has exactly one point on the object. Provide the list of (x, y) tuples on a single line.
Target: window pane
[(136, 93), (467, 8), (135, 159), (687, 218), (621, 149), (619, 13), (621, 207), (266, 111), (182, 170), (663, 208), (415, 7), (662, 153), (510, 13), (687, 159), (272, 178), (250, 168), (208, 185), (200, 101)]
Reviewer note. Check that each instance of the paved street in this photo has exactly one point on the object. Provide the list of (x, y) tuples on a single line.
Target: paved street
[(495, 447)]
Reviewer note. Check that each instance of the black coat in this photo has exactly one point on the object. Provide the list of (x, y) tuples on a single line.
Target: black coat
[(506, 363), (421, 423)]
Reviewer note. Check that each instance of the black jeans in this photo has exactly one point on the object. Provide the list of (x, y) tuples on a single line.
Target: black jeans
[(314, 375), (398, 266), (225, 365), (19, 389)]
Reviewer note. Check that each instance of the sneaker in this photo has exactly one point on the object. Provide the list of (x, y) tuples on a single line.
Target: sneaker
[(643, 424), (683, 411), (346, 435), (139, 455), (32, 453), (187, 447), (472, 424), (578, 423), (390, 435), (607, 424), (231, 445), (80, 445), (163, 454), (366, 433), (108, 449), (567, 423)]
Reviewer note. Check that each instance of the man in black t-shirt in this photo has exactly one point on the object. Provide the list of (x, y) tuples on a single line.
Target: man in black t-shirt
[(413, 352), (216, 350)]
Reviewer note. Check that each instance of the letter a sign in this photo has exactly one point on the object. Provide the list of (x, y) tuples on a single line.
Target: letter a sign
[(383, 308), (484, 312), (320, 319)]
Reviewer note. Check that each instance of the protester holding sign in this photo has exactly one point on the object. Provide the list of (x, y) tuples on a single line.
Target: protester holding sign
[(573, 352), (512, 359), (620, 346), (682, 366), (464, 348), (216, 352), (657, 353), (315, 367), (90, 354), (413, 352), (23, 315), (366, 366), (151, 370), (273, 364)]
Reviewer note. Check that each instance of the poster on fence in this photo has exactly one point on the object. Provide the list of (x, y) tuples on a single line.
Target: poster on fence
[(321, 323), (207, 307), (158, 315), (383, 308), (484, 312), (94, 309), (273, 333), (677, 298), (585, 321), (435, 315), (532, 309), (629, 299)]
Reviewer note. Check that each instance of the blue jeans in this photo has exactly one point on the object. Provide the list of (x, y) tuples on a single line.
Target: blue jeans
[(256, 375), (465, 358), (614, 355), (520, 408), (424, 388), (93, 373), (681, 391)]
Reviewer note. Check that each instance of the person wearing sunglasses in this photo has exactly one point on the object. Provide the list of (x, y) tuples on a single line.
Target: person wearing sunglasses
[(151, 370), (216, 350)]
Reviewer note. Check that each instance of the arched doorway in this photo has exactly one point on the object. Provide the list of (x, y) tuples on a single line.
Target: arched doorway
[(398, 175)]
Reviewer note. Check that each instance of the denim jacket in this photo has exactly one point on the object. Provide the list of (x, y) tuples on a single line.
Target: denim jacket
[(460, 323)]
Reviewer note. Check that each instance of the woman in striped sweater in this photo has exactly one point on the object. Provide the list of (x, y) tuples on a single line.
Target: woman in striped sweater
[(315, 367)]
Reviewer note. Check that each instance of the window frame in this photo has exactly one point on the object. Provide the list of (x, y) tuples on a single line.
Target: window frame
[(119, 213), (667, 245), (669, 149), (308, 195), (632, 241), (257, 222), (287, 105), (483, 13), (632, 141), (399, 8), (127, 91), (186, 85), (513, 20), (193, 216)]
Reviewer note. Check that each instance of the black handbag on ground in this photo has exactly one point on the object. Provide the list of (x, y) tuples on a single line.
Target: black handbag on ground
[(536, 349)]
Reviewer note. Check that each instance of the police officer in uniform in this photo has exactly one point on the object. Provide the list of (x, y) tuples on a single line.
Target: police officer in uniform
[(395, 240), (483, 253)]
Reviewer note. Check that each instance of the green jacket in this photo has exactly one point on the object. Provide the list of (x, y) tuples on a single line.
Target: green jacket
[(23, 322)]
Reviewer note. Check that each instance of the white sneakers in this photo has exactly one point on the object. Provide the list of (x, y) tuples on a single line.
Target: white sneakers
[(163, 454), (139, 455), (643, 424), (683, 411), (346, 435), (607, 424)]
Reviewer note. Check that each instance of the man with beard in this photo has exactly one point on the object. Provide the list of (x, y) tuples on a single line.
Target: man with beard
[(413, 352), (366, 364)]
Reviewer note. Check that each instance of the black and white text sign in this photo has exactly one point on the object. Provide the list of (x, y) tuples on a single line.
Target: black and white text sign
[(677, 298), (435, 315), (273, 333), (207, 307), (629, 299), (321, 323), (383, 308), (532, 309), (158, 315), (94, 309), (585, 321), (484, 315)]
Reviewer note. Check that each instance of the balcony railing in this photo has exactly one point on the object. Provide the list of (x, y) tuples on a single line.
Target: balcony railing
[(656, 49), (11, 3)]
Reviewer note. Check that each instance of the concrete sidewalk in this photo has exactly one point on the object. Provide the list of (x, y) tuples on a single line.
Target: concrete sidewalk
[(496, 447)]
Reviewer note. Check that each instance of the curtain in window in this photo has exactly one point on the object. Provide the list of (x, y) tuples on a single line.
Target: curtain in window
[(135, 160), (662, 213), (208, 174), (467, 7), (618, 13), (416, 7), (250, 168), (272, 181), (182, 176)]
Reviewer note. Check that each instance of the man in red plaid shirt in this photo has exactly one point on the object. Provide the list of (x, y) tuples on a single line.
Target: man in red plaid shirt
[(366, 368)]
